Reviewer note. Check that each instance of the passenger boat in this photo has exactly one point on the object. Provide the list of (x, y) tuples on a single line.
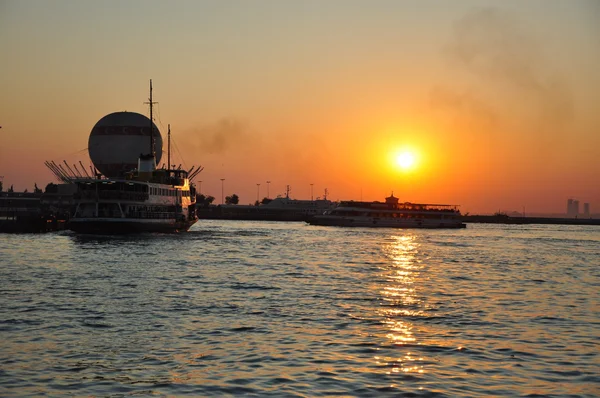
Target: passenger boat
[(145, 199), (162, 201), (390, 214)]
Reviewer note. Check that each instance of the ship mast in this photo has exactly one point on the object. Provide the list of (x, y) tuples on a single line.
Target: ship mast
[(151, 122)]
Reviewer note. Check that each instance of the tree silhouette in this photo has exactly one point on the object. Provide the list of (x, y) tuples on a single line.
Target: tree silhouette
[(204, 201), (232, 200)]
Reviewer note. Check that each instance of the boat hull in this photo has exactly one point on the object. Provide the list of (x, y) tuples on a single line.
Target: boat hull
[(112, 226), (371, 222)]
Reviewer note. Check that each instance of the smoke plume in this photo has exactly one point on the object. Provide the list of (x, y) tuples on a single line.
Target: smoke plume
[(220, 137)]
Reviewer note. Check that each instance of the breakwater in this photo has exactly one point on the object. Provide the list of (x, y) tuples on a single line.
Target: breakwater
[(502, 219)]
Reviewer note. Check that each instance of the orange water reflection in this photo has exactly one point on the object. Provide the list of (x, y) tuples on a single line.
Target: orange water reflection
[(401, 300)]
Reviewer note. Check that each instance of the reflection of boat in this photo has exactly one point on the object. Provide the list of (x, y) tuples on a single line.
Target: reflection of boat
[(390, 214), (143, 200)]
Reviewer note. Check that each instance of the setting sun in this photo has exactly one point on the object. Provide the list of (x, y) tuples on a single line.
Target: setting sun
[(405, 160)]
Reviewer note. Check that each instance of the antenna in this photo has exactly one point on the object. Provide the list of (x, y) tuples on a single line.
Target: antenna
[(169, 149), (151, 121)]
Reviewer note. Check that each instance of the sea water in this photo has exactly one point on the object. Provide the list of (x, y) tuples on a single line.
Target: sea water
[(287, 309)]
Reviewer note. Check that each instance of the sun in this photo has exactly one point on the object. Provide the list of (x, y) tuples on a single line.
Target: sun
[(405, 160)]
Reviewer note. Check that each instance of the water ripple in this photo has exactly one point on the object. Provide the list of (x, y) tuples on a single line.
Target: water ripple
[(287, 309)]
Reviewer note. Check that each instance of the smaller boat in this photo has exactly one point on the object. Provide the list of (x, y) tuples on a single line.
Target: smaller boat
[(390, 214)]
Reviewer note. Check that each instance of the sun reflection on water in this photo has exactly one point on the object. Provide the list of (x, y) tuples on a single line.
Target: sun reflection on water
[(401, 301)]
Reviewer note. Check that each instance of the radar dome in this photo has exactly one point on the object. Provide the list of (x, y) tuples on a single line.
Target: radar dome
[(118, 139)]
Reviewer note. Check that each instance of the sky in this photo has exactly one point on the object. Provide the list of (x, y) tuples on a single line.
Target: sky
[(496, 101)]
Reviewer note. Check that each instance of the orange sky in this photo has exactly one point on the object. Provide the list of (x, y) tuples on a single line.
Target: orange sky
[(498, 101)]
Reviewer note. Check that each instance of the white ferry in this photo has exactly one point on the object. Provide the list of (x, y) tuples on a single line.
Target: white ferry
[(391, 214), (146, 199)]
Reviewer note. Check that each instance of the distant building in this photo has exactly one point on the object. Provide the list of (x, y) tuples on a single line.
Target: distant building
[(572, 208), (586, 210)]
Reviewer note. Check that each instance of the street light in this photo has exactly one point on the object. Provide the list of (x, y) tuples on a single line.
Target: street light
[(257, 191), (268, 184), (222, 197)]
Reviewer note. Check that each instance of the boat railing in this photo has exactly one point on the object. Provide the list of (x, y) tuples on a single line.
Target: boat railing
[(399, 206)]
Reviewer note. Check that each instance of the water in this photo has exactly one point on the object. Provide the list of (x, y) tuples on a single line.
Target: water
[(287, 309)]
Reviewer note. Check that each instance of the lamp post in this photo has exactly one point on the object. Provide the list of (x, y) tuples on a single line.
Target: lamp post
[(222, 197), (257, 192), (268, 184)]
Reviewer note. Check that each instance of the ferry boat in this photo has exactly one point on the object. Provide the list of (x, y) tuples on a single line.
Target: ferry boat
[(162, 201), (391, 214), (146, 199)]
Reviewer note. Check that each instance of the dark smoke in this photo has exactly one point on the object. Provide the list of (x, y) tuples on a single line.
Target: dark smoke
[(221, 136)]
